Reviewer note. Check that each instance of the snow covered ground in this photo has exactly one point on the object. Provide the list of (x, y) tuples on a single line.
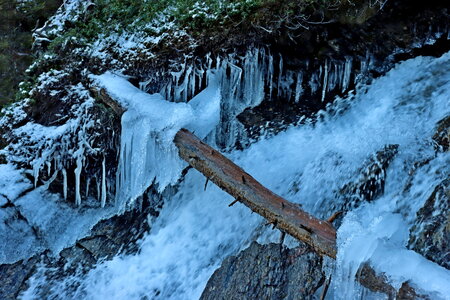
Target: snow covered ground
[(196, 229)]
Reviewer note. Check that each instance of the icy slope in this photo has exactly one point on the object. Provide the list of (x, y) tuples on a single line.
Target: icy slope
[(197, 230)]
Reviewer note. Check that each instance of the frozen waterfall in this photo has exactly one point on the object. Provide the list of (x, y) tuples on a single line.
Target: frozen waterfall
[(196, 229)]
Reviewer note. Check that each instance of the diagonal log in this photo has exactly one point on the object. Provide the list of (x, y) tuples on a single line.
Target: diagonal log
[(285, 215)]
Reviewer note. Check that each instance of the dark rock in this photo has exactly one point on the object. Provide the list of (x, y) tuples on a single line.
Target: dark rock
[(406, 292), (370, 183), (373, 281), (76, 257), (430, 234), (13, 277), (442, 135), (379, 283), (267, 272), (117, 234), (109, 237)]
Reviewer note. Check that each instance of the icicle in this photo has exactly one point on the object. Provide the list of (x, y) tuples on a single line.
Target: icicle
[(235, 78), (192, 85), (181, 91), (143, 85), (325, 81), (209, 61), (49, 167), (77, 180), (185, 85), (48, 182), (333, 78), (298, 87), (36, 168), (270, 76), (103, 201), (88, 182), (287, 85), (280, 74), (200, 74), (97, 184), (347, 73), (64, 172)]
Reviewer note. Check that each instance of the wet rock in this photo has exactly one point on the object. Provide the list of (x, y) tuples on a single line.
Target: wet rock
[(370, 183), (267, 272), (117, 234), (441, 137), (406, 292), (375, 282), (430, 234), (379, 283), (76, 257), (13, 277)]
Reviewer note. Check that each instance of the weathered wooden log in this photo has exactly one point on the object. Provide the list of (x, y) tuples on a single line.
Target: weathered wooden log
[(286, 216)]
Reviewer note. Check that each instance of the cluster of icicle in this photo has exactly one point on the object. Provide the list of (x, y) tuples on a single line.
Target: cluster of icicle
[(51, 151), (244, 82), (247, 80), (147, 155)]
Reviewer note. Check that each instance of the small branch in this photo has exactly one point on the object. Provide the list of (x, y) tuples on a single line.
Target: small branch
[(325, 288), (334, 216), (234, 202), (206, 183), (260, 27)]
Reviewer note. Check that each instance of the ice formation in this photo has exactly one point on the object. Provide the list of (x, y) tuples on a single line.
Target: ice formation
[(57, 223), (196, 230), (246, 80), (149, 124), (53, 147)]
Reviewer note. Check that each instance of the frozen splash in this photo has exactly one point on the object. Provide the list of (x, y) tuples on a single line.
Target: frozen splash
[(307, 164), (379, 237)]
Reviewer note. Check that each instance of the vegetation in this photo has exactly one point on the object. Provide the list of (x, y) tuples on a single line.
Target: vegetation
[(197, 18), (202, 20), (18, 17)]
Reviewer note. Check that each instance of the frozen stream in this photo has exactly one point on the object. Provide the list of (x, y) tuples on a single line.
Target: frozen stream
[(196, 229)]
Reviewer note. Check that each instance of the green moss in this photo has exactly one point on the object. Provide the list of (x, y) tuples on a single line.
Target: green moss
[(196, 17)]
